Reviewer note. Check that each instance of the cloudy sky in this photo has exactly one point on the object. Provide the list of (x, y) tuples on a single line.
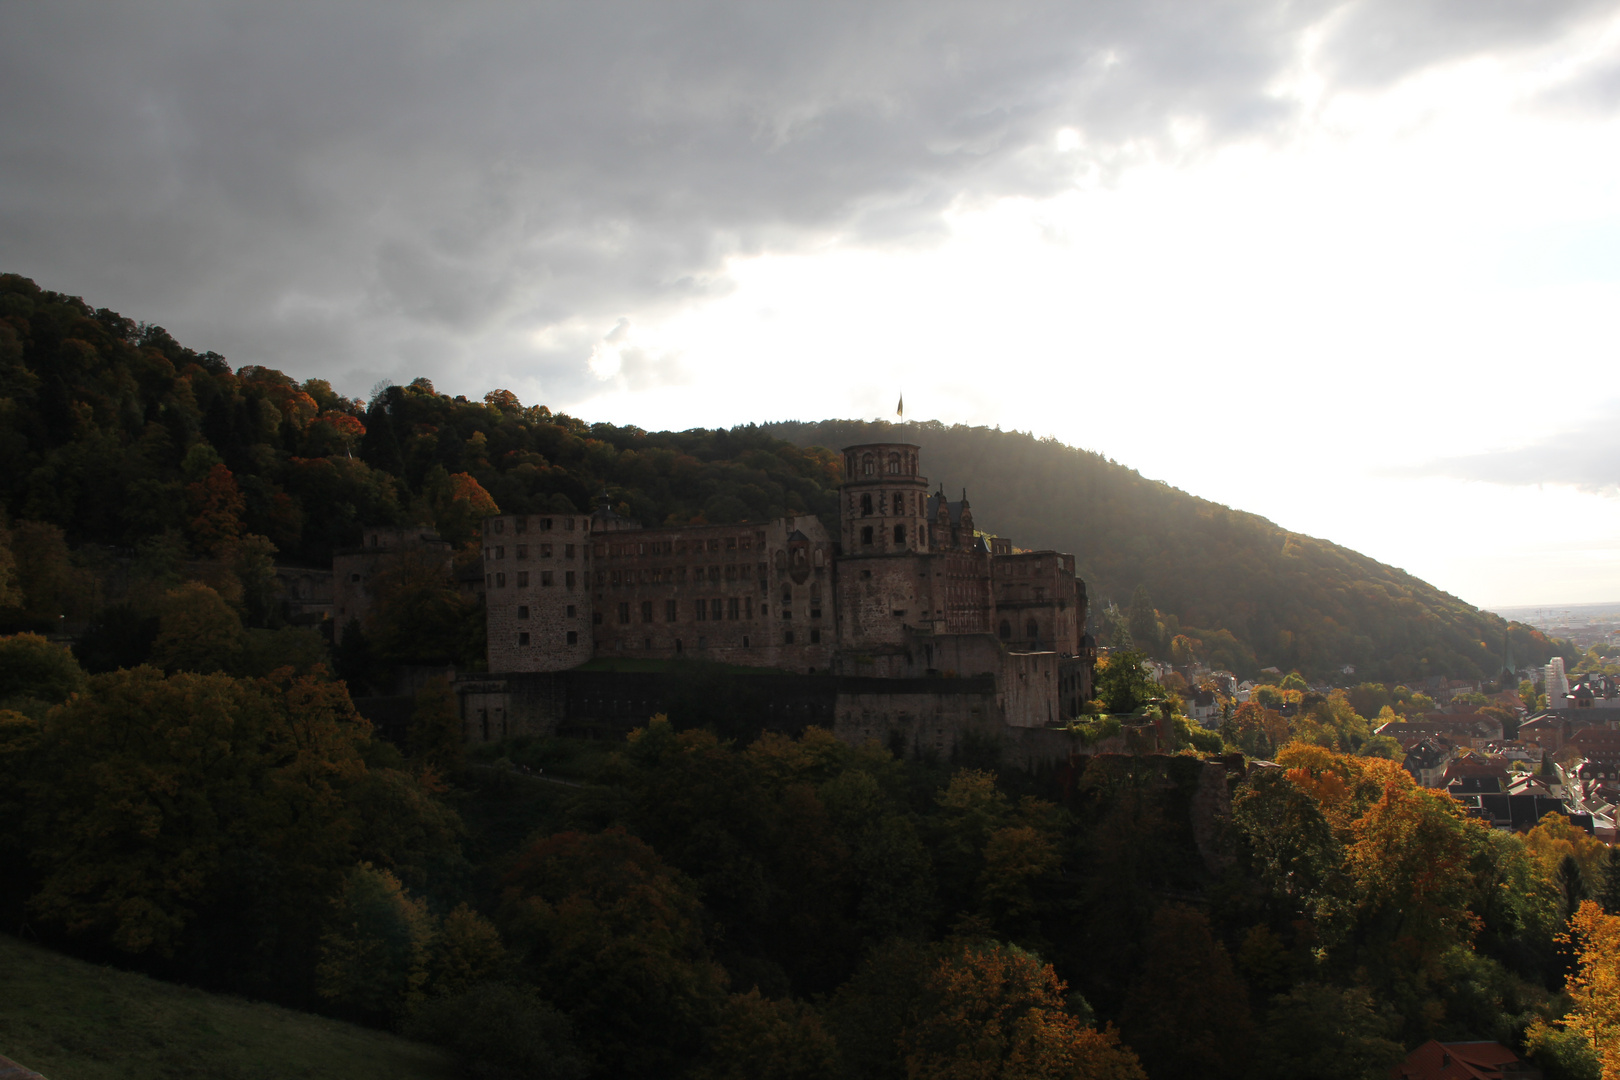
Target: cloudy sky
[(1353, 266)]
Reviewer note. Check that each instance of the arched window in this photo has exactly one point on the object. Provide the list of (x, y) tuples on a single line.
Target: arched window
[(866, 465), (1006, 630), (894, 464), (899, 534)]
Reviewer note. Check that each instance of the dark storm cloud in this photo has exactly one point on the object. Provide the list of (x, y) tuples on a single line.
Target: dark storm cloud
[(1585, 457), (361, 189)]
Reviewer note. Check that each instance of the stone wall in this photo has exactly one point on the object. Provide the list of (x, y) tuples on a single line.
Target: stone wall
[(536, 570)]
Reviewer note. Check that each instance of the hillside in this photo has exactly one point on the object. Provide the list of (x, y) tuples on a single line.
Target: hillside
[(123, 443), (75, 1021), (1248, 592)]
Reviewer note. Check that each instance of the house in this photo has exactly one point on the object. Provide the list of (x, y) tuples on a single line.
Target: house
[(1427, 759), (1435, 1060)]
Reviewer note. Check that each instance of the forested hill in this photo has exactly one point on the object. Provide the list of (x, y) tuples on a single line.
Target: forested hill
[(115, 437), (1242, 591)]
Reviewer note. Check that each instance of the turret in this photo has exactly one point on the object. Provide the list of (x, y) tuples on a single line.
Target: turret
[(885, 500)]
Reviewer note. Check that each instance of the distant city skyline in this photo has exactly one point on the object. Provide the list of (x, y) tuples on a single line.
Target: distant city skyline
[(1350, 267)]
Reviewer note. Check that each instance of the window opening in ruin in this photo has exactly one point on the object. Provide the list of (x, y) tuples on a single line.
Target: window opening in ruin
[(894, 464), (745, 641), (523, 639), (573, 637), (596, 618), (715, 607), (521, 525), (500, 552), (787, 594), (671, 611), (570, 579), (545, 524), (1006, 630), (866, 538), (702, 610), (624, 612), (523, 611), (571, 610), (866, 505), (500, 581), (568, 551), (899, 534), (867, 467), (731, 543), (646, 613), (523, 577), (899, 503), (500, 526), (787, 637), (815, 637), (677, 646), (733, 608), (523, 551), (1031, 630)]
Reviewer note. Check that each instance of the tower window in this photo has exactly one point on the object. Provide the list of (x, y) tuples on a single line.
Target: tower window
[(573, 637), (624, 612), (866, 534), (646, 611), (894, 463), (523, 577), (899, 534), (899, 503), (866, 505), (815, 637), (866, 465), (523, 639), (670, 611), (787, 637), (523, 611)]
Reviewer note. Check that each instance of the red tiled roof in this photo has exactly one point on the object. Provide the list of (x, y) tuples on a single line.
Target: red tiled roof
[(1435, 1060)]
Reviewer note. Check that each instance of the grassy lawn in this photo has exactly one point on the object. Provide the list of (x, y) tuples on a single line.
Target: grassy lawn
[(75, 1021)]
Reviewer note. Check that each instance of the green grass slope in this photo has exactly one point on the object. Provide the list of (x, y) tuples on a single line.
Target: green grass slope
[(1253, 593), (75, 1021)]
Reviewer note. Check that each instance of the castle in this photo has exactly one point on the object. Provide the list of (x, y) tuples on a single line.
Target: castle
[(905, 613)]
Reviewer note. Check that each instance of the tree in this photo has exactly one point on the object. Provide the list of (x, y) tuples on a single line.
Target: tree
[(434, 736), (1187, 1012), (215, 508), (1326, 1033), (612, 935), (502, 1032), (1143, 621), (1123, 684), (761, 1039), (1593, 989), (990, 1010), (197, 631), (374, 960), (35, 669)]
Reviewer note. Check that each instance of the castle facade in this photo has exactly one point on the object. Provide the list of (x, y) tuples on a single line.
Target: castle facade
[(905, 588)]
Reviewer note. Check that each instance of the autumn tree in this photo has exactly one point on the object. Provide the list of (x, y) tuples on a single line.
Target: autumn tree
[(989, 1010), (374, 959), (758, 1038), (197, 631)]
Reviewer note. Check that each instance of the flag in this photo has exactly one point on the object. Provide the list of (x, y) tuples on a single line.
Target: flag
[(900, 409)]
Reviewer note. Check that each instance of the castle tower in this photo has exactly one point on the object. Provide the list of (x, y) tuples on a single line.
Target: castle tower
[(885, 501)]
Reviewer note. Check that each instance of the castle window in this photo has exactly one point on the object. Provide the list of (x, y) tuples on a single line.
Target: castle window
[(677, 646), (731, 543), (523, 551), (787, 616), (866, 505), (500, 581), (500, 553), (489, 580), (867, 467), (500, 526), (545, 524), (787, 637), (866, 536), (899, 534), (815, 637), (570, 579), (787, 594), (733, 608), (748, 607), (745, 641), (568, 551), (646, 611), (521, 525), (671, 611), (731, 571), (523, 611), (714, 543), (714, 573), (899, 503), (1006, 630), (523, 639), (1031, 630), (624, 612), (523, 578), (596, 618), (702, 610), (894, 464), (715, 608), (573, 637), (571, 610), (545, 551), (615, 578)]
